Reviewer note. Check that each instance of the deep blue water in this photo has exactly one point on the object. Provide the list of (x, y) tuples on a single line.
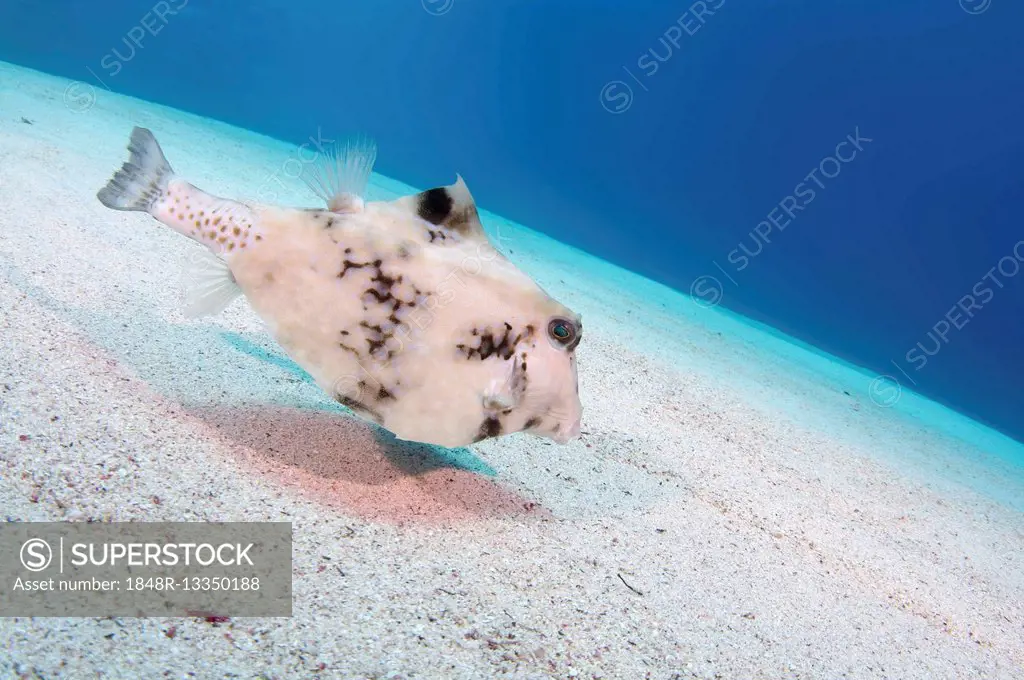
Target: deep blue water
[(676, 139)]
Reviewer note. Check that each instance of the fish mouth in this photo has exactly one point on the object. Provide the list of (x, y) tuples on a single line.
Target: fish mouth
[(564, 436)]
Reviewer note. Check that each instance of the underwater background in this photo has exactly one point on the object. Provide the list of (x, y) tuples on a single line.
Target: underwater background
[(847, 172)]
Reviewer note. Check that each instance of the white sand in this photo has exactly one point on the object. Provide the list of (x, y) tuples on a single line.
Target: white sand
[(776, 527)]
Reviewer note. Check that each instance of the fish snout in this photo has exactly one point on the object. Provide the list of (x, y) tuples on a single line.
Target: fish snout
[(574, 431), (564, 435)]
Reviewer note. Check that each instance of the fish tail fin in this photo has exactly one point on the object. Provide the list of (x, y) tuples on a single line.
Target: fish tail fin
[(339, 176), (143, 180)]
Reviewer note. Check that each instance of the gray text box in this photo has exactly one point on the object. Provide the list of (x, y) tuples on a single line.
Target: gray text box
[(146, 569)]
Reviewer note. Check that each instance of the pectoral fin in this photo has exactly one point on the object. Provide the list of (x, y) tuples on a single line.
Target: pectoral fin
[(506, 392)]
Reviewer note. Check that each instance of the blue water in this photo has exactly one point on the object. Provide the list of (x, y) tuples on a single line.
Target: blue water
[(678, 140)]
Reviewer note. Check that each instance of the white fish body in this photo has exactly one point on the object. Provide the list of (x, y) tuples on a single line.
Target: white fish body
[(401, 310)]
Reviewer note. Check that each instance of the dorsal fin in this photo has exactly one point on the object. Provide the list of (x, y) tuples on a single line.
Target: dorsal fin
[(340, 174), (451, 207)]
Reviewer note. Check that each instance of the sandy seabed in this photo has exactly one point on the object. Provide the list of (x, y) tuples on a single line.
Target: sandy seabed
[(737, 507)]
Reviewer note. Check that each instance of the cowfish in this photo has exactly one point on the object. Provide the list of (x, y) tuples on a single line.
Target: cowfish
[(403, 311)]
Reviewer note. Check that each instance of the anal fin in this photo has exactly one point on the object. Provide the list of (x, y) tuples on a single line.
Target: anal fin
[(209, 285)]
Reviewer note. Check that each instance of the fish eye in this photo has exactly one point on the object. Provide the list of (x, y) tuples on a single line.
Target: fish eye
[(562, 331)]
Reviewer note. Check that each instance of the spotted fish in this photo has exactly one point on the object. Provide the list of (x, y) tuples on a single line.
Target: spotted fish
[(403, 311)]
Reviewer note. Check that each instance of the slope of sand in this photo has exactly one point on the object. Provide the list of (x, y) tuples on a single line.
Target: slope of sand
[(771, 521)]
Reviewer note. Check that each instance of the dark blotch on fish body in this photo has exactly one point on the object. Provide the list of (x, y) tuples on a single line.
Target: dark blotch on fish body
[(435, 205), (491, 343), (359, 407), (491, 427)]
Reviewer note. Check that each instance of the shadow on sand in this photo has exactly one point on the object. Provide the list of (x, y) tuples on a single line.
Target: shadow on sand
[(340, 461)]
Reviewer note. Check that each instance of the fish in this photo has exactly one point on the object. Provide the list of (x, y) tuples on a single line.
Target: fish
[(403, 311)]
